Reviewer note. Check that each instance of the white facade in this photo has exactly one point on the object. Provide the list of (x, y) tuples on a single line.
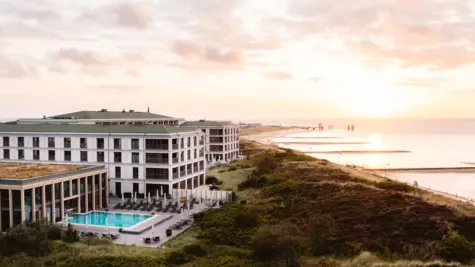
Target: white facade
[(170, 160), (221, 142)]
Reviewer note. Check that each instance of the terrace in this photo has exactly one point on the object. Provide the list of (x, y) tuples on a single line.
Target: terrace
[(26, 171)]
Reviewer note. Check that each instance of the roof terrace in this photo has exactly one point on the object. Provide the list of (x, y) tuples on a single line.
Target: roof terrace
[(26, 171)]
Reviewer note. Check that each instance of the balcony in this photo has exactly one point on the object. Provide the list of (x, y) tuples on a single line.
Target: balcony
[(195, 169), (158, 178), (189, 171), (174, 146), (202, 154), (157, 161), (182, 173), (175, 160), (202, 168), (175, 175)]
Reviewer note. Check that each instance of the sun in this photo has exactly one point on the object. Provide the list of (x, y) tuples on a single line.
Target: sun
[(376, 103)]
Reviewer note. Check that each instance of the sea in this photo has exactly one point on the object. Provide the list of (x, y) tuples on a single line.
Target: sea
[(389, 144)]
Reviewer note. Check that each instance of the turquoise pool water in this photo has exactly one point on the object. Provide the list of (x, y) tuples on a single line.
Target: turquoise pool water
[(114, 219)]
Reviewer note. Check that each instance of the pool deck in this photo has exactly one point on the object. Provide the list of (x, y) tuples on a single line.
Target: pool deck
[(159, 228)]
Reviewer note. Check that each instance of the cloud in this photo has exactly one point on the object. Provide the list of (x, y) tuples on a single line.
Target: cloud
[(315, 79), (14, 30), (207, 54), (419, 82), (69, 60), (282, 76), (22, 10), (411, 33), (129, 15), (15, 69)]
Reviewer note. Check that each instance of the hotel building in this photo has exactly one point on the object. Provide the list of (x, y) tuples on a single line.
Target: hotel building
[(31, 191), (138, 158), (106, 117), (221, 139)]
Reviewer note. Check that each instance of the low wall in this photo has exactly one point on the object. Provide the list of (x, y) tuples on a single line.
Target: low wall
[(201, 193)]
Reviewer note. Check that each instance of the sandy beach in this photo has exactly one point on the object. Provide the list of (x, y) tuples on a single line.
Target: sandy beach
[(267, 137)]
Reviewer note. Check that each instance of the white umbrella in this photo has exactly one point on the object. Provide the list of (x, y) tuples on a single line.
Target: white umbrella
[(157, 195), (161, 190), (123, 200), (107, 224), (87, 223), (135, 197), (148, 199)]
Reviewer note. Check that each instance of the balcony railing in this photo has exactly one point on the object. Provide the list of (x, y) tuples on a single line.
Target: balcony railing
[(175, 160), (202, 143), (216, 150), (202, 154), (164, 147), (189, 171), (195, 169), (158, 178), (202, 168), (182, 173), (157, 161), (175, 175), (174, 146)]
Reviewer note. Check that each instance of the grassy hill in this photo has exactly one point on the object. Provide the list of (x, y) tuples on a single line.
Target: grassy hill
[(292, 210)]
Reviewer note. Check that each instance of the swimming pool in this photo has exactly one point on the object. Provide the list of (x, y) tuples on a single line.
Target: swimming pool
[(114, 219)]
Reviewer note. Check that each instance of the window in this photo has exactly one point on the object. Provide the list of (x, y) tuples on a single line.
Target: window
[(196, 153), (100, 143), (117, 157), (117, 143), (182, 143), (189, 141), (51, 155), (194, 141), (135, 143), (155, 173), (156, 158), (135, 157), (83, 156), (21, 141), (6, 154), (67, 155), (100, 156), (189, 154), (51, 143), (135, 172), (83, 143), (182, 156), (67, 142), (118, 172), (21, 154), (156, 144), (36, 155), (6, 141), (36, 142)]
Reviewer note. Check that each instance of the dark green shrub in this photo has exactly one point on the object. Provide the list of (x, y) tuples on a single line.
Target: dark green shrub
[(54, 232), (232, 168), (196, 250), (178, 257), (246, 219), (71, 235), (276, 245), (396, 186), (111, 261), (455, 247)]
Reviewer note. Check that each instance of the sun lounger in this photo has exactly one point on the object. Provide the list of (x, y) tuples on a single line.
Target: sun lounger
[(156, 239), (147, 240), (118, 206)]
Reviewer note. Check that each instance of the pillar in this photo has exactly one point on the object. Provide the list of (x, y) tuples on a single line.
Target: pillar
[(43, 200), (86, 195), (33, 204), (93, 192), (22, 204), (79, 193), (61, 201), (100, 191), (53, 204), (106, 186), (10, 204)]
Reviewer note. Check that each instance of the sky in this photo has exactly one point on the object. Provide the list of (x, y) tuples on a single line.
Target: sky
[(239, 59)]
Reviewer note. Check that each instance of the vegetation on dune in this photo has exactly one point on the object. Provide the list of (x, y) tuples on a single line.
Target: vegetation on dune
[(294, 210)]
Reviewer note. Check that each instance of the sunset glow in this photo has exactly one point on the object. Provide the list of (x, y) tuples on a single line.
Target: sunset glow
[(242, 59)]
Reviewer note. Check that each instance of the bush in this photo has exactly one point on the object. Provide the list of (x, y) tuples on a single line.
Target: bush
[(178, 257), (390, 185), (276, 245), (455, 247), (54, 232), (211, 180), (111, 261), (71, 235), (196, 250), (232, 168)]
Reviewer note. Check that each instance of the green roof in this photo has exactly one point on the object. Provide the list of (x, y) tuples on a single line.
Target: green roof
[(203, 123), (87, 114), (90, 128)]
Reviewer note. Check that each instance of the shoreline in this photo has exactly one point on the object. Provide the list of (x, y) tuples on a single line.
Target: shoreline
[(369, 174)]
